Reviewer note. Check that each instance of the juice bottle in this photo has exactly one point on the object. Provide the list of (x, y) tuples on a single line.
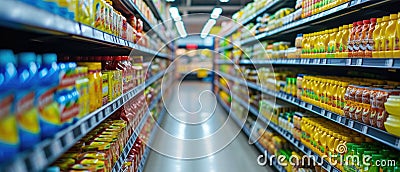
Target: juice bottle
[(337, 42), (370, 38), (99, 80), (390, 36), (332, 43), (352, 35), (344, 40), (357, 39), (305, 46), (322, 93), (26, 111), (382, 36), (48, 109), (325, 42), (376, 39), (396, 47), (364, 38), (82, 85), (9, 140)]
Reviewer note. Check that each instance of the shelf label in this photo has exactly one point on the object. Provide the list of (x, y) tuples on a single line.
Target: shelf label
[(351, 124), (303, 104), (100, 115), (323, 112), (364, 129), (98, 34), (329, 115), (38, 159), (93, 121), (348, 62), (389, 62), (359, 62), (17, 166), (69, 137), (398, 143), (323, 61), (339, 119), (107, 37), (56, 147), (107, 111), (114, 105), (309, 106)]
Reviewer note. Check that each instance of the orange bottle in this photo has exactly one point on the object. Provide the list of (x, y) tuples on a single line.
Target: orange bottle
[(369, 39), (363, 38), (352, 35), (390, 36), (357, 41), (375, 37), (382, 35), (396, 50)]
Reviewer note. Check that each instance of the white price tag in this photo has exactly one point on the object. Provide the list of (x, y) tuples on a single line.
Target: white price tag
[(307, 61), (56, 147), (107, 111), (303, 104), (364, 129), (398, 143), (317, 61), (351, 124), (101, 115), (323, 112), (114, 106), (339, 119), (359, 62), (98, 35), (69, 137), (93, 121), (348, 62), (107, 37), (38, 158), (389, 62), (323, 61), (309, 106), (329, 115)]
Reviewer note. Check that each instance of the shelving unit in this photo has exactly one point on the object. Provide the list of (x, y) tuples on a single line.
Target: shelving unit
[(372, 132), (18, 15), (46, 152), (287, 135), (387, 63)]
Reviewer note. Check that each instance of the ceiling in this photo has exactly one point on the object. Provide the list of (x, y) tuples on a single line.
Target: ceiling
[(195, 13)]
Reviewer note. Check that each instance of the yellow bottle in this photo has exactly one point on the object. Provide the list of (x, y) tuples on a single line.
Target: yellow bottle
[(344, 40), (338, 36), (332, 43), (390, 36), (325, 42), (305, 46), (396, 47), (382, 36), (376, 34), (312, 44), (322, 92)]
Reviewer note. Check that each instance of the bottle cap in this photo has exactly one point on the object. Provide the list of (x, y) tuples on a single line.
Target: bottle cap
[(354, 23), (359, 23), (7, 56), (386, 18), (26, 57), (49, 58), (379, 20), (335, 29), (345, 26), (366, 22), (372, 20)]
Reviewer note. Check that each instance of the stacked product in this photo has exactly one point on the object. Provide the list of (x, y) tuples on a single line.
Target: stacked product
[(101, 148)]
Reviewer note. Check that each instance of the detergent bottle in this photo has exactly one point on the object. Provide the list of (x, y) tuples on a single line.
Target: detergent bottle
[(26, 111), (48, 108), (9, 139)]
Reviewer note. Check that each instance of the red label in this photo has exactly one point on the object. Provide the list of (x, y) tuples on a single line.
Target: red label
[(25, 103), (70, 112), (5, 106), (46, 98)]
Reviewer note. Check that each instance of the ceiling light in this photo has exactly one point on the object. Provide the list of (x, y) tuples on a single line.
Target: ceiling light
[(170, 0), (175, 14), (181, 29), (223, 0), (216, 12), (207, 27)]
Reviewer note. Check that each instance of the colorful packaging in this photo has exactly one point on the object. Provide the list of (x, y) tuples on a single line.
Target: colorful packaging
[(84, 12), (105, 88), (82, 85), (9, 139), (48, 109), (99, 14)]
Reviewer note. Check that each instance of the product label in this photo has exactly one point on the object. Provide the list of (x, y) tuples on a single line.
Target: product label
[(46, 99), (8, 124), (396, 43), (68, 113), (25, 104), (5, 106)]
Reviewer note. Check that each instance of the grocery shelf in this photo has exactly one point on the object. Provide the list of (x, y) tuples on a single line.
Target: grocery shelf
[(222, 49), (287, 135), (222, 87), (18, 15), (152, 135), (46, 152), (270, 8), (125, 152), (153, 9), (342, 14), (369, 131), (392, 63), (246, 130)]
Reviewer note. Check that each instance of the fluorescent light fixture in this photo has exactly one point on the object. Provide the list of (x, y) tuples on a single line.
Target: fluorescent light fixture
[(216, 12), (175, 14), (170, 0), (223, 0), (207, 28), (181, 29)]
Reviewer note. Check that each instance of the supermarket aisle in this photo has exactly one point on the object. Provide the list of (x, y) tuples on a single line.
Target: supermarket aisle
[(236, 156)]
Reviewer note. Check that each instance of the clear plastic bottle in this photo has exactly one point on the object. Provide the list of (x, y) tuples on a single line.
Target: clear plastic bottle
[(390, 36), (376, 39)]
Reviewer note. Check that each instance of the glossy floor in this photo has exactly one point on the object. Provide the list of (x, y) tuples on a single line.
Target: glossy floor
[(199, 137)]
